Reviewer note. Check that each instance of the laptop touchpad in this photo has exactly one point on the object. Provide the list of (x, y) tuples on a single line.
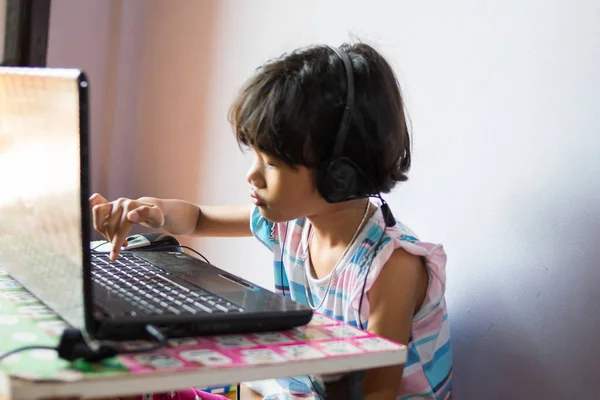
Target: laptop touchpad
[(224, 284)]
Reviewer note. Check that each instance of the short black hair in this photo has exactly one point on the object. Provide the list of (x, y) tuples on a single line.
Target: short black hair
[(291, 109)]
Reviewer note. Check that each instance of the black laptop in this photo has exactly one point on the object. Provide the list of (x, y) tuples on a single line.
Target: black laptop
[(45, 232)]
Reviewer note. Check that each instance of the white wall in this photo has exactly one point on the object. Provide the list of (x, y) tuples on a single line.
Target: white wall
[(502, 97)]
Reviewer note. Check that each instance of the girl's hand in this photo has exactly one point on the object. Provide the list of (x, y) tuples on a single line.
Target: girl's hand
[(115, 219)]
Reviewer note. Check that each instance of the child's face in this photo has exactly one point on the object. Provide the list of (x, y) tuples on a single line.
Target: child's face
[(282, 193)]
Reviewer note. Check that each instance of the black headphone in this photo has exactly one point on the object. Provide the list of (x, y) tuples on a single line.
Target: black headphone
[(338, 178)]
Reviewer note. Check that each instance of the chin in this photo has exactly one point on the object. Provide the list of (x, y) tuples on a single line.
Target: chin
[(273, 215)]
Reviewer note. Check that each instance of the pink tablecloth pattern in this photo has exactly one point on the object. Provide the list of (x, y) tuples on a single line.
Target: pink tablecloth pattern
[(321, 338)]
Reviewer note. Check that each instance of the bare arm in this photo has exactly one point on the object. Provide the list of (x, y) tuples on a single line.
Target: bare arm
[(223, 221), (185, 218), (395, 297), (114, 219)]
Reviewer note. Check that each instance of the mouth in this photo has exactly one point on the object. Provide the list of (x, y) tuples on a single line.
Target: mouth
[(256, 200)]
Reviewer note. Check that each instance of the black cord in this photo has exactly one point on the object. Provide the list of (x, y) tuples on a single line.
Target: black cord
[(281, 269), (73, 346), (196, 252), (386, 224), (167, 246), (100, 245), (362, 294), (322, 396), (171, 246), (20, 349)]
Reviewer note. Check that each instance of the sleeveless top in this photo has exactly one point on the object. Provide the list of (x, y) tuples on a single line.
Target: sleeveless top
[(428, 369)]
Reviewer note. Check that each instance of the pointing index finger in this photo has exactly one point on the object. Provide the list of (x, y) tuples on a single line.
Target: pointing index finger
[(97, 199)]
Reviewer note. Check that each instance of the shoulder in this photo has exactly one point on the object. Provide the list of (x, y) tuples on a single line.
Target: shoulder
[(404, 278), (402, 268)]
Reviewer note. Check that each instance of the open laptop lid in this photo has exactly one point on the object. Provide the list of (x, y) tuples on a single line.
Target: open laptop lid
[(44, 212)]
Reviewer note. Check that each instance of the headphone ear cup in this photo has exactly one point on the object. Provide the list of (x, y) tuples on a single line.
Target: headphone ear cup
[(337, 181)]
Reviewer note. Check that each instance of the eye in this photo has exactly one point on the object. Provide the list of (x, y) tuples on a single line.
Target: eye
[(269, 162)]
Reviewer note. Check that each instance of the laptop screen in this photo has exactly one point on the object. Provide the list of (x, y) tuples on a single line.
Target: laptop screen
[(40, 199)]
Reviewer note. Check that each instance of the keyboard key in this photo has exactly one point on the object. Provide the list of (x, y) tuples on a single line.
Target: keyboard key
[(222, 308), (188, 308), (203, 307), (174, 310), (143, 285)]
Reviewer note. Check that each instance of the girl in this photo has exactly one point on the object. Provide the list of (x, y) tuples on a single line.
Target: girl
[(328, 132)]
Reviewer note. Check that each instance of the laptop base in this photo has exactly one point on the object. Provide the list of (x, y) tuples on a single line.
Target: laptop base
[(129, 329)]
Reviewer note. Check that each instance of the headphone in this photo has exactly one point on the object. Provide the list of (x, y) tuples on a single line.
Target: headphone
[(338, 177)]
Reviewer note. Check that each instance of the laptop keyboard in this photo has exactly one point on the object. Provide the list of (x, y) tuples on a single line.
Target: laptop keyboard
[(140, 283)]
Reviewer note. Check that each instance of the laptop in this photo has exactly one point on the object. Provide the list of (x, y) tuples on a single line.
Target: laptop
[(45, 232)]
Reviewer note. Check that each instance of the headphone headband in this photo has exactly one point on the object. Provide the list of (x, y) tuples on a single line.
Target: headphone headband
[(347, 115), (338, 179)]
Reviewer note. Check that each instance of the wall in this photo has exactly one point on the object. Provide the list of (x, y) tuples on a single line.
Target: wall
[(104, 38), (502, 98)]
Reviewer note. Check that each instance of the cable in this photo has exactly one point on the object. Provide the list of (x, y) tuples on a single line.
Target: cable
[(20, 349), (388, 217), (72, 346), (196, 252), (167, 246), (281, 269), (100, 245), (362, 294), (321, 395), (386, 224)]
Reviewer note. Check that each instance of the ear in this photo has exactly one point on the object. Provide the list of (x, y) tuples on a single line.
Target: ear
[(337, 181)]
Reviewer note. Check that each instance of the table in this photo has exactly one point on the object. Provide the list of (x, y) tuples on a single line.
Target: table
[(324, 346)]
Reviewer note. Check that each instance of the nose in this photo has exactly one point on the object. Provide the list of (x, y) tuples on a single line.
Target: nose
[(254, 176)]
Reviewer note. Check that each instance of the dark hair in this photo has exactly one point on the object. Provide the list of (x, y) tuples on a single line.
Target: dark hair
[(291, 110)]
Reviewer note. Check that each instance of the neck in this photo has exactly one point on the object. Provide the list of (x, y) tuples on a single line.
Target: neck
[(337, 223)]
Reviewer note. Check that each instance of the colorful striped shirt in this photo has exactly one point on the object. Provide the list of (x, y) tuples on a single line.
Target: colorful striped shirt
[(428, 369)]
